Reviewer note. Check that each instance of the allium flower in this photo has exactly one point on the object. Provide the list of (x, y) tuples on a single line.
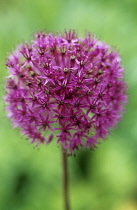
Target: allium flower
[(68, 84)]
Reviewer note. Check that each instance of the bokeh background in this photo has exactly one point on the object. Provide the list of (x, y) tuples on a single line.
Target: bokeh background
[(104, 179)]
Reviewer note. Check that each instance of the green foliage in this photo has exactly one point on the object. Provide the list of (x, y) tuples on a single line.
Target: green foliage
[(104, 179)]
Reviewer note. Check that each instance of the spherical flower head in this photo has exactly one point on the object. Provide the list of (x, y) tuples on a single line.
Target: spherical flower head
[(66, 86)]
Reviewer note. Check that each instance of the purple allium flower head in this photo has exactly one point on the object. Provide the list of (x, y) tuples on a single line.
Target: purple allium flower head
[(64, 83)]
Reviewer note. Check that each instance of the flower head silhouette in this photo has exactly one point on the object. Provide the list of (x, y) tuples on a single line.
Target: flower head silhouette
[(65, 83)]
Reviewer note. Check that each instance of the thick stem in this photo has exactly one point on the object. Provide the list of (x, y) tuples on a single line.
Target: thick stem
[(65, 179)]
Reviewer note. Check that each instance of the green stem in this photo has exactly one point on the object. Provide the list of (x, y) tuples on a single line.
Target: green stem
[(65, 179)]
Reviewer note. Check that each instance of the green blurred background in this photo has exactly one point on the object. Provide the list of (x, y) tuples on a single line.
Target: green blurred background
[(104, 179)]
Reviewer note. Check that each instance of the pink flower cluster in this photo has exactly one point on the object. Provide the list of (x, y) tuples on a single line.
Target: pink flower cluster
[(66, 85)]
